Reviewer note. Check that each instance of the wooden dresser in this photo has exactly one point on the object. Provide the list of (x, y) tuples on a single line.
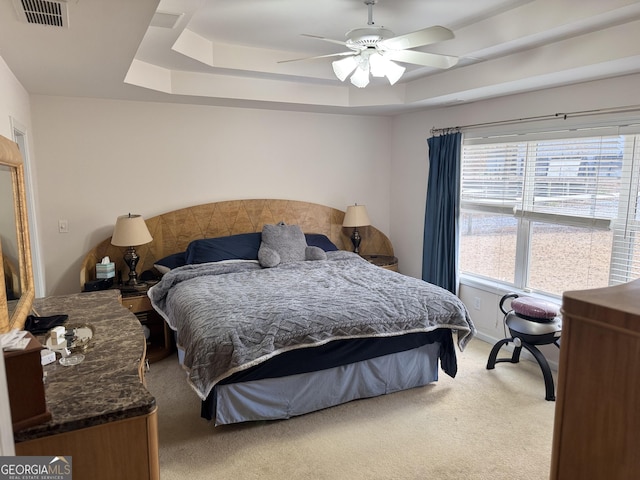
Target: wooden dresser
[(597, 421), (101, 413)]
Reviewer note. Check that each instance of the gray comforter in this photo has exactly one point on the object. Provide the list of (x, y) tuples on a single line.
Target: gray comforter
[(231, 316)]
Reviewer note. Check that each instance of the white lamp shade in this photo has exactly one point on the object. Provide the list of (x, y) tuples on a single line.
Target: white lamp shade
[(365, 63), (342, 68), (360, 78), (130, 231), (394, 72), (356, 216), (377, 65), (383, 67)]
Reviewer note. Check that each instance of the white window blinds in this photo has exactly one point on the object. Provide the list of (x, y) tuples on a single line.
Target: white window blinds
[(576, 179), (625, 261)]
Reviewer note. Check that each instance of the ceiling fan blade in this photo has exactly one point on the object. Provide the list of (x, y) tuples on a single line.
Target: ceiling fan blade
[(421, 58), (341, 54), (426, 36), (330, 40)]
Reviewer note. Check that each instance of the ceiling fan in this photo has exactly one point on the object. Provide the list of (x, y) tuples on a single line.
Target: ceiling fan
[(374, 50)]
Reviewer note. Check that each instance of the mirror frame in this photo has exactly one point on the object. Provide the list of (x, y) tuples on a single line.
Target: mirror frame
[(10, 156)]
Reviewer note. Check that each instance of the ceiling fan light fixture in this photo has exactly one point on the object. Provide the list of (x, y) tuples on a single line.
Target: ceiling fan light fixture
[(377, 65), (394, 72), (360, 77), (343, 67), (383, 67), (373, 49)]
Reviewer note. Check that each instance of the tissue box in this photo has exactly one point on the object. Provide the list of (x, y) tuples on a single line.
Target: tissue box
[(105, 270)]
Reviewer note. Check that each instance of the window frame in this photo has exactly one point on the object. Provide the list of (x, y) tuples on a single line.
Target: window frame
[(548, 132)]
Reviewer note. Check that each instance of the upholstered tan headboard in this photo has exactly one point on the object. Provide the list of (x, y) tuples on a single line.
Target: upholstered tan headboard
[(173, 231)]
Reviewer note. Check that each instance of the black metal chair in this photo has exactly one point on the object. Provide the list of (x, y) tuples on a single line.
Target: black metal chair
[(527, 331)]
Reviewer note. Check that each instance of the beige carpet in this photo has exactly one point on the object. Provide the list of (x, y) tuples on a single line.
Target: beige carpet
[(484, 424)]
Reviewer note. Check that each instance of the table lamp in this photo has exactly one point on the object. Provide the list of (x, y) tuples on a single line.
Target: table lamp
[(131, 231), (356, 216)]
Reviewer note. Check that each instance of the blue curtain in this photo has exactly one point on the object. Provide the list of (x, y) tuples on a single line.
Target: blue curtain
[(439, 254)]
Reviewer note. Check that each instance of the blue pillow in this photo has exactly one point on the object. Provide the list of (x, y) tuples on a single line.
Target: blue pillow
[(319, 240), (169, 262), (243, 246)]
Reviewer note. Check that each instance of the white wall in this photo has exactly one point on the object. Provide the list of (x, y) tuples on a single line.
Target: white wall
[(14, 101), (409, 170), (98, 159)]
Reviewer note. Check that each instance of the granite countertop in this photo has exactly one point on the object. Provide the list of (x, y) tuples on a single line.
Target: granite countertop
[(106, 386)]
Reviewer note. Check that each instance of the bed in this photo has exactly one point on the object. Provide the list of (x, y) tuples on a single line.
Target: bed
[(320, 327)]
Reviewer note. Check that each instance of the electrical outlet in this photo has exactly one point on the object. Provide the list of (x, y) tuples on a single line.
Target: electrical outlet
[(63, 226), (477, 303)]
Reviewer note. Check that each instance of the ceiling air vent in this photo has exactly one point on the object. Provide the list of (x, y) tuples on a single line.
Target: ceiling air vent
[(43, 12)]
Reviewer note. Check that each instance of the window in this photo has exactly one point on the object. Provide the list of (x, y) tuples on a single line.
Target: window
[(553, 211)]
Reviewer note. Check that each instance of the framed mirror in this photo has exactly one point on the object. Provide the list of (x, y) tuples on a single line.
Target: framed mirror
[(17, 288)]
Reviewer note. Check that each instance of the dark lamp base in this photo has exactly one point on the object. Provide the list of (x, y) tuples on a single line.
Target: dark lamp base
[(355, 239)]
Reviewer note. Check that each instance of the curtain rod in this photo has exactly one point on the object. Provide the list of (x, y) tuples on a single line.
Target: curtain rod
[(562, 116)]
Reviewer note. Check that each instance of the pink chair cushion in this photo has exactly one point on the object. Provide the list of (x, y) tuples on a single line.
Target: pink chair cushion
[(534, 308)]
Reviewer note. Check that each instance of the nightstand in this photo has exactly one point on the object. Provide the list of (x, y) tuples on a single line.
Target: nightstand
[(159, 343), (384, 261)]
